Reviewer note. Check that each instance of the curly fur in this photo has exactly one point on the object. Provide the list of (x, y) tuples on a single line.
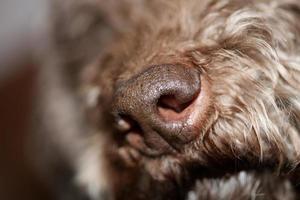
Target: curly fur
[(249, 52)]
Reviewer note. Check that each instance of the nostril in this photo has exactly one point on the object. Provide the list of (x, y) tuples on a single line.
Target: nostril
[(172, 109), (169, 102)]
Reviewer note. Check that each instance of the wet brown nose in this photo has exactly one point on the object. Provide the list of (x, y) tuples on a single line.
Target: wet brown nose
[(158, 105)]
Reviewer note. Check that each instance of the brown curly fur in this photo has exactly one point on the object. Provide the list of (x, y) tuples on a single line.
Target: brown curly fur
[(249, 52)]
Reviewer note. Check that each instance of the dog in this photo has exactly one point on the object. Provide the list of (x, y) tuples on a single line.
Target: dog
[(184, 100)]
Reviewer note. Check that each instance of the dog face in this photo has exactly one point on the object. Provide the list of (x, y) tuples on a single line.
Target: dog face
[(210, 85)]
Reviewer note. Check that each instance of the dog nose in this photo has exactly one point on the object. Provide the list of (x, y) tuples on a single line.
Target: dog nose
[(158, 105)]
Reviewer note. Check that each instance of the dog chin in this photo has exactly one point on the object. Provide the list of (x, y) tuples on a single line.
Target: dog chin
[(243, 185)]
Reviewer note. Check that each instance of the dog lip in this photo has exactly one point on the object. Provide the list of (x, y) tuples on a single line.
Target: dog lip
[(136, 141)]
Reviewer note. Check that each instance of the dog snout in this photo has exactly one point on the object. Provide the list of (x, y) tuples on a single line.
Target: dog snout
[(159, 105)]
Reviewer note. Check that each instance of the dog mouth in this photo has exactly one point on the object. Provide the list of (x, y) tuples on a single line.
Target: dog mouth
[(216, 183), (229, 176), (136, 141)]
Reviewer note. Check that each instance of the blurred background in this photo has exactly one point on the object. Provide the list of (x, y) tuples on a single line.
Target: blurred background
[(28, 34), (24, 28)]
